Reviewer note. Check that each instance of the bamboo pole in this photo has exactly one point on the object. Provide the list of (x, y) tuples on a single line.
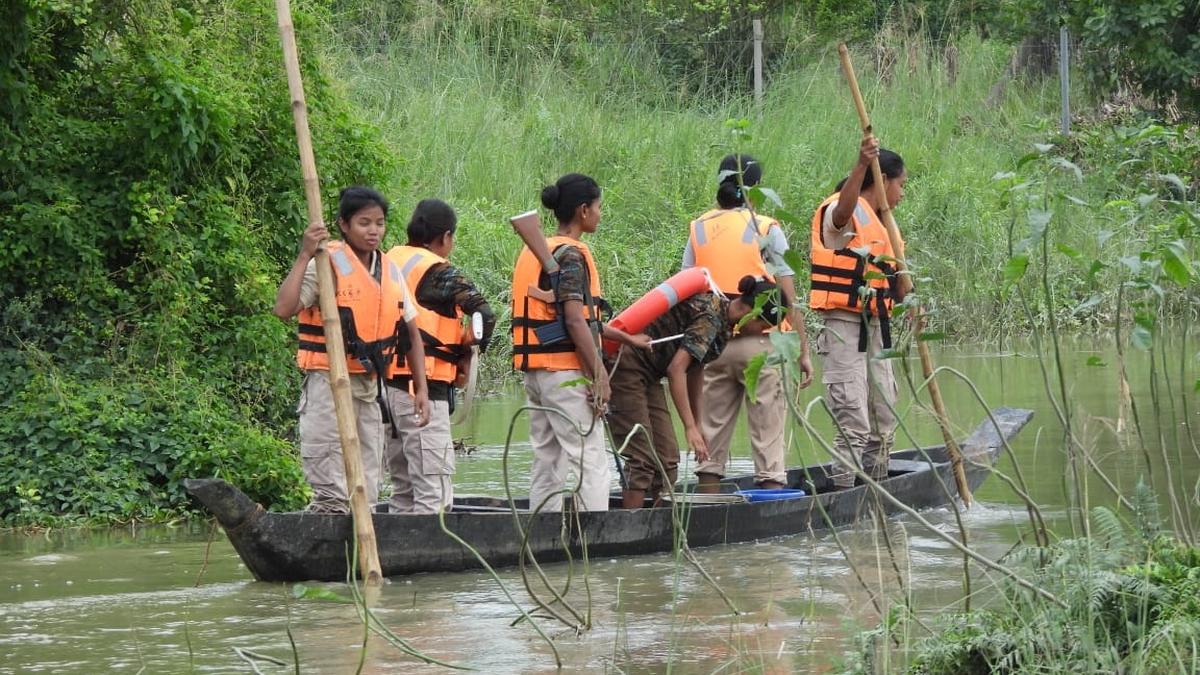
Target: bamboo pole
[(906, 285), (339, 376)]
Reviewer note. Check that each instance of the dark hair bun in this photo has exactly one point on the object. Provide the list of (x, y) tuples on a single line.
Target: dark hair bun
[(550, 197), (747, 284)]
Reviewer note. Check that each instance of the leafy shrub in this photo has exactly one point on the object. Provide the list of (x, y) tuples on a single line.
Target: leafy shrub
[(1132, 604), (150, 200)]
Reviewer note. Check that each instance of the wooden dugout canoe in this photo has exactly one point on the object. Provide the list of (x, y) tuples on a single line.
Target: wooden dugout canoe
[(303, 546)]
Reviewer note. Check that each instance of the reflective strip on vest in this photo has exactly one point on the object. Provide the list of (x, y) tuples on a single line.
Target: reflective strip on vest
[(838, 276), (370, 313), (726, 241), (441, 336)]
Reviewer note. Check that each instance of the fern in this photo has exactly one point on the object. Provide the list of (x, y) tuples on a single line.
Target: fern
[(1109, 528), (1146, 520)]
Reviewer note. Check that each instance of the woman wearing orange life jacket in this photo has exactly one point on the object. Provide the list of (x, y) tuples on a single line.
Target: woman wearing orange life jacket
[(554, 343), (421, 459), (855, 308), (732, 242), (378, 319)]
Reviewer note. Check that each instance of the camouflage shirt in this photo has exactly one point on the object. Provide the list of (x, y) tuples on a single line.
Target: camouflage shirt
[(702, 321), (445, 288), (574, 279)]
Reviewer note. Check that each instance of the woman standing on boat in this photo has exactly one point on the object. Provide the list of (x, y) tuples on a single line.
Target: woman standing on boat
[(857, 327), (378, 319), (732, 242), (701, 326), (555, 324), (421, 459)]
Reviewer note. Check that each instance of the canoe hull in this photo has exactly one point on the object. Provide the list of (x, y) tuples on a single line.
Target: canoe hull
[(305, 546)]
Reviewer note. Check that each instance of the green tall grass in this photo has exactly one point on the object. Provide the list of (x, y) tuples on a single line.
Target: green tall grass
[(485, 128)]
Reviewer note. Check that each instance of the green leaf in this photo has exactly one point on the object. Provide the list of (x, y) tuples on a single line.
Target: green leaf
[(1196, 387), (1141, 338), (1014, 269), (872, 274), (1096, 362), (1133, 263), (1068, 251), (1028, 158), (1176, 262), (1067, 165), (785, 216), (890, 354), (577, 382), (1103, 236), (302, 592), (771, 195), (794, 260), (1038, 222), (1177, 271), (1091, 301), (786, 344), (932, 337), (1175, 182), (1043, 148), (753, 369)]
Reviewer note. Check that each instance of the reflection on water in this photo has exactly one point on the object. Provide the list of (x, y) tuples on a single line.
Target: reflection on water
[(126, 600)]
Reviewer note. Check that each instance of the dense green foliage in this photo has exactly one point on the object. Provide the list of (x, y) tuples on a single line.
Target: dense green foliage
[(148, 195), (1131, 605)]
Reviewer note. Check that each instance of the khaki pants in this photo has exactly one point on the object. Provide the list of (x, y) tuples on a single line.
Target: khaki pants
[(421, 460), (559, 446), (321, 446), (639, 398), (862, 403), (724, 390)]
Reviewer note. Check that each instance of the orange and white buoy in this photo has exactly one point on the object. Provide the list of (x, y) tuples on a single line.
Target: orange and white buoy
[(659, 301)]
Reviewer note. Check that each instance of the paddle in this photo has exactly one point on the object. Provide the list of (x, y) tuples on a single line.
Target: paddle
[(339, 376), (905, 282)]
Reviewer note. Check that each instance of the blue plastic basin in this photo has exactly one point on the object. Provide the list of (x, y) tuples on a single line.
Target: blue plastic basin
[(768, 495)]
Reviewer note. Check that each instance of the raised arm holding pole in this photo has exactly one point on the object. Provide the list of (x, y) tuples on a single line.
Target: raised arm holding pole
[(904, 281), (339, 376)]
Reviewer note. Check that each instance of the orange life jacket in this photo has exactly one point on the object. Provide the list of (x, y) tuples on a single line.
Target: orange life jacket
[(839, 274), (530, 313), (727, 243), (372, 315), (441, 335)]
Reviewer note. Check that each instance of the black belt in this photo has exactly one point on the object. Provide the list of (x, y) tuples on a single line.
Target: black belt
[(438, 391)]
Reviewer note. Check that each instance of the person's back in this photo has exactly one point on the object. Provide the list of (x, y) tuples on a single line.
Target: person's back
[(733, 242)]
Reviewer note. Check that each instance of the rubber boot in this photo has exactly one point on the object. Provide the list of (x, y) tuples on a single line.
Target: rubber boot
[(633, 499), (770, 485), (708, 483)]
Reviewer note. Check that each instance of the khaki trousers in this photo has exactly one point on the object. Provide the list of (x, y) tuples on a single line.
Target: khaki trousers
[(321, 446), (421, 460), (559, 446), (861, 401), (724, 391), (639, 398)]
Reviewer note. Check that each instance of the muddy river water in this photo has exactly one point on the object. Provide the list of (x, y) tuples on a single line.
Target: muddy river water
[(168, 600)]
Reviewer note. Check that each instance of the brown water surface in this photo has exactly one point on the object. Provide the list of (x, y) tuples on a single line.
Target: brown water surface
[(163, 600)]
